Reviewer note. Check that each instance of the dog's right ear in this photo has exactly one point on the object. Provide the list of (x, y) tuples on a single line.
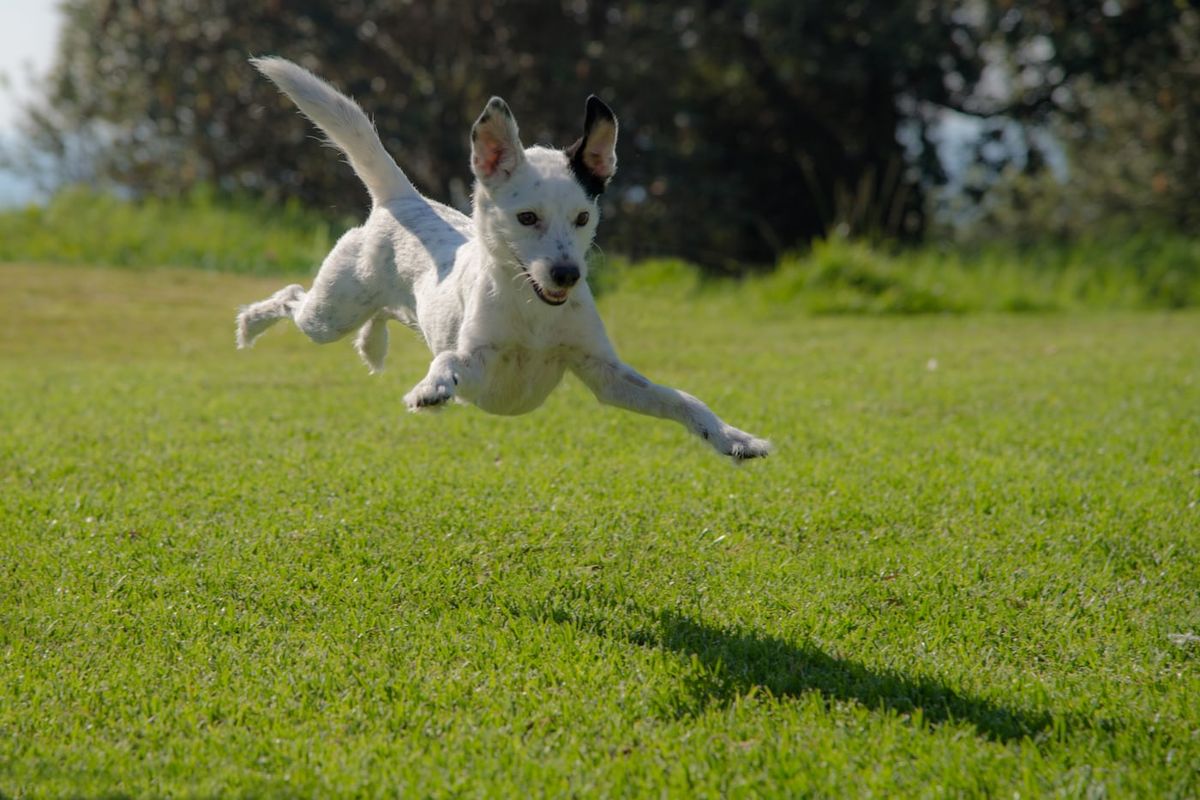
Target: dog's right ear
[(593, 157), (496, 149)]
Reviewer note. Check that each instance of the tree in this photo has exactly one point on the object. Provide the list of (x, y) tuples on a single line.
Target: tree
[(747, 126)]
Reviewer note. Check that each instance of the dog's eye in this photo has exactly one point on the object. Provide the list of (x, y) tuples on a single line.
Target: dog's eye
[(582, 219), (527, 218)]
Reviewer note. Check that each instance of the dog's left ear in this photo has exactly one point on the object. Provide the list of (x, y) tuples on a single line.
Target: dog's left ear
[(593, 157)]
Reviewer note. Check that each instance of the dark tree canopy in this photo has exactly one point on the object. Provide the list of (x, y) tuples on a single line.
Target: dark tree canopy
[(747, 127)]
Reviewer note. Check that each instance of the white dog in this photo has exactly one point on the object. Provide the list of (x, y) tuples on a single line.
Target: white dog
[(500, 297)]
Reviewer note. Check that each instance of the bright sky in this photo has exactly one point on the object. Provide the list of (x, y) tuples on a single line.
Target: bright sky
[(28, 29)]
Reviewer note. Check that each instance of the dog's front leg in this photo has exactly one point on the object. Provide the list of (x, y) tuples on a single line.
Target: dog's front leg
[(449, 371), (618, 384)]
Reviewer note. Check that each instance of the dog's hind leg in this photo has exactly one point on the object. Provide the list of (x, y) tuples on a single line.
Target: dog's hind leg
[(255, 318), (372, 342), (344, 296), (348, 290)]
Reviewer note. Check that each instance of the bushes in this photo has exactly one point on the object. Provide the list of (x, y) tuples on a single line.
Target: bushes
[(842, 277)]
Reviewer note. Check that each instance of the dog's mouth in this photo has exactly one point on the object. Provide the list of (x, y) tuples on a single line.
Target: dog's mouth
[(551, 297)]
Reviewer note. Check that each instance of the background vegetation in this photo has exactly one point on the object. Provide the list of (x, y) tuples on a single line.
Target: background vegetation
[(1107, 270), (748, 127)]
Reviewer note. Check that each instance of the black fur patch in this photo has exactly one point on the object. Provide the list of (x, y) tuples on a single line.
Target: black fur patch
[(593, 185)]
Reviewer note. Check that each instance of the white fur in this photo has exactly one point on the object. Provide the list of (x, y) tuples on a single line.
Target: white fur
[(479, 289)]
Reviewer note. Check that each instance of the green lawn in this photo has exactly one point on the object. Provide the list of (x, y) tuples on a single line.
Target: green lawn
[(248, 574)]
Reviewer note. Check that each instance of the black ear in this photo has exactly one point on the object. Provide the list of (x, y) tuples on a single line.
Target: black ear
[(593, 157)]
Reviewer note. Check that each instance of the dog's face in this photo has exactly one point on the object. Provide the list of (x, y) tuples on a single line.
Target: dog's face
[(536, 208)]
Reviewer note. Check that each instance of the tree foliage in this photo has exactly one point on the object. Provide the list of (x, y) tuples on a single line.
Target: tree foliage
[(748, 127), (1115, 89)]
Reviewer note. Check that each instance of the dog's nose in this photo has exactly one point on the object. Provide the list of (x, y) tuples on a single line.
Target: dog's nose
[(564, 275)]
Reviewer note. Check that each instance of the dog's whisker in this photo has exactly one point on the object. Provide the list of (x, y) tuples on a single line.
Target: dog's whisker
[(528, 279)]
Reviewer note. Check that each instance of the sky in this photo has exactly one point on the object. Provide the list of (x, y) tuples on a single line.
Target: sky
[(27, 34), (28, 29)]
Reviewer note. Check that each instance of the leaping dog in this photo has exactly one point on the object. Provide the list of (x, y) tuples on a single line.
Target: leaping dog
[(500, 297)]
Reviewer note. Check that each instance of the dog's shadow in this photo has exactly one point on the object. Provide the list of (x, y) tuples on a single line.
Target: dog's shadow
[(737, 662)]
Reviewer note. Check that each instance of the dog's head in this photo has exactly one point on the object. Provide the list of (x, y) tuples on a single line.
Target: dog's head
[(537, 208)]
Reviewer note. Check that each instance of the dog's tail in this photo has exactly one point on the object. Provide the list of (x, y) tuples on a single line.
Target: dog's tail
[(346, 125)]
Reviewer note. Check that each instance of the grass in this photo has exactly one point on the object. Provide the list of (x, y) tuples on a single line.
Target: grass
[(252, 575)]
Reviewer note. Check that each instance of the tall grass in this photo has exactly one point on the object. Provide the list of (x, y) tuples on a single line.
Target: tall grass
[(839, 276), (1139, 271), (836, 276), (201, 229)]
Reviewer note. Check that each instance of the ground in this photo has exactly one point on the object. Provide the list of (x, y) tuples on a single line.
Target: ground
[(969, 568)]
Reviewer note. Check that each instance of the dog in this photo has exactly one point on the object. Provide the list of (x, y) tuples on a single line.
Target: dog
[(501, 297)]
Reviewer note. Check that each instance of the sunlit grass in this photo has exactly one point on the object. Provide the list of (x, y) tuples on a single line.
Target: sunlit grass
[(252, 574)]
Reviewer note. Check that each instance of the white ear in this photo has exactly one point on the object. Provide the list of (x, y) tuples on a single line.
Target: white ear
[(496, 149), (593, 158)]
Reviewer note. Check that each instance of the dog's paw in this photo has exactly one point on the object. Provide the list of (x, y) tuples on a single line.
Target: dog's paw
[(429, 394), (739, 445)]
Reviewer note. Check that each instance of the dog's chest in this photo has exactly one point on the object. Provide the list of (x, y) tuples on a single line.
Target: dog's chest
[(517, 378)]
